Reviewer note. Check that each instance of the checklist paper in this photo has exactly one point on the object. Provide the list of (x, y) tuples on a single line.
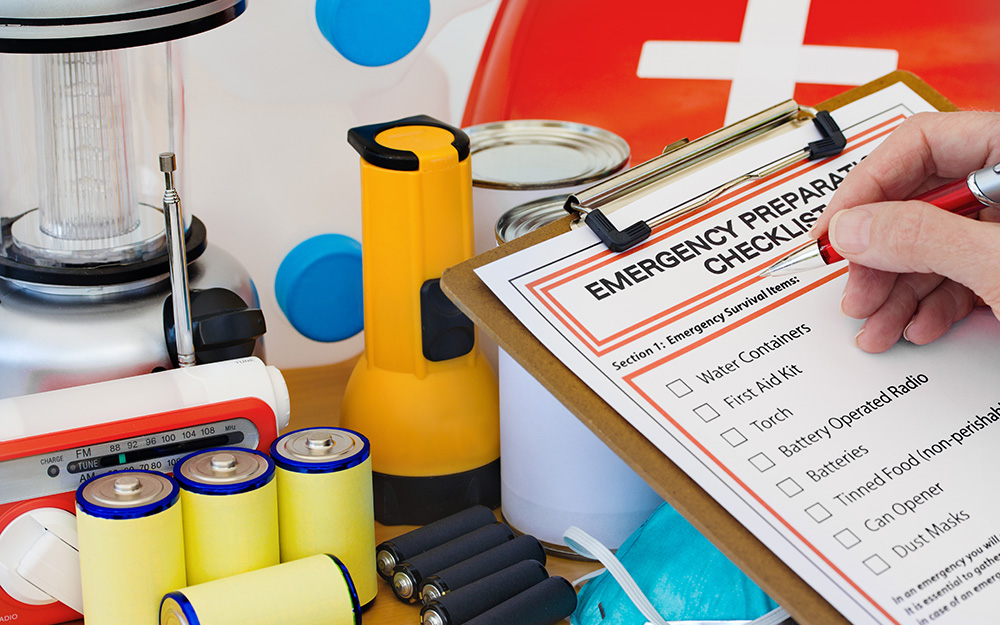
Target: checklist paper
[(871, 475)]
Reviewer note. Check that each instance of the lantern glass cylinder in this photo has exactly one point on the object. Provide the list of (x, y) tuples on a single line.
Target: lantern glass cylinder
[(80, 133)]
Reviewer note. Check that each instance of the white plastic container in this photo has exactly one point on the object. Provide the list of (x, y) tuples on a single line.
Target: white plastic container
[(555, 472)]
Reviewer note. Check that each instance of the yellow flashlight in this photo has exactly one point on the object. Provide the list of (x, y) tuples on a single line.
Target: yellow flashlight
[(422, 392)]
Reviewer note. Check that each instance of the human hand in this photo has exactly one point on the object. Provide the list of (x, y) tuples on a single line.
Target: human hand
[(916, 269)]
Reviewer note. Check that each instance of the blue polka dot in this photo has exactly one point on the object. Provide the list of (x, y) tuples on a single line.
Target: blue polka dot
[(319, 288), (373, 32)]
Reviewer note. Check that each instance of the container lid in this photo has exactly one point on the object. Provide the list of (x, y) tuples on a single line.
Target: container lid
[(127, 494), (319, 287), (224, 471), (543, 154), (531, 216), (320, 450)]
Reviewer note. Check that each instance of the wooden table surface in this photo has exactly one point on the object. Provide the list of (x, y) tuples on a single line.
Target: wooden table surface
[(316, 394)]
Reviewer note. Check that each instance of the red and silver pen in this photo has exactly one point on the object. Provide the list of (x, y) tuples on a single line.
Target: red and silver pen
[(963, 197)]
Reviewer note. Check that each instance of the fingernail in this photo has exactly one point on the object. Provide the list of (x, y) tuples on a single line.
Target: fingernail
[(905, 330), (850, 230), (843, 296), (858, 335)]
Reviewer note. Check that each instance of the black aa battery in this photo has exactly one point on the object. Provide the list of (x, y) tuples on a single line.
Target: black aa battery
[(403, 547), (460, 606), (406, 577), (477, 567), (545, 603)]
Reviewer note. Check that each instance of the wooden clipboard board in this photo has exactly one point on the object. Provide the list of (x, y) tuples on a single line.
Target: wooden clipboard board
[(476, 300)]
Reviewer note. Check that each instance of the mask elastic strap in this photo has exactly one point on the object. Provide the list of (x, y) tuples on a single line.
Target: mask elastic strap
[(589, 547)]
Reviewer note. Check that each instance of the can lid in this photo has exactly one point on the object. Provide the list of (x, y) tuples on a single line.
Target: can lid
[(531, 216), (127, 494), (320, 450), (543, 154), (224, 471)]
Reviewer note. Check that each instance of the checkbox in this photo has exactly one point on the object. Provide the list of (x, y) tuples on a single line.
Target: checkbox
[(876, 564), (706, 412), (734, 437), (790, 487), (679, 388), (761, 462), (818, 512), (847, 538)]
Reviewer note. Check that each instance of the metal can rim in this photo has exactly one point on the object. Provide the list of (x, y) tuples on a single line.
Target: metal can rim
[(529, 217), (502, 133)]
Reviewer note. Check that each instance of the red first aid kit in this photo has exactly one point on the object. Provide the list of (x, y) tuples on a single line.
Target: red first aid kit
[(654, 72)]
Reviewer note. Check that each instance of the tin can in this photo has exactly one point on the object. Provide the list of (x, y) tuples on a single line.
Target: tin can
[(325, 500), (520, 220), (517, 161), (230, 507), (559, 473), (131, 540), (311, 591)]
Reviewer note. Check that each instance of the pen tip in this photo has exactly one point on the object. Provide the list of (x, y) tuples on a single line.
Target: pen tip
[(804, 257)]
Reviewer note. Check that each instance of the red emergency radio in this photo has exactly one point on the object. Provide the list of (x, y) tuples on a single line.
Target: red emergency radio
[(52, 442)]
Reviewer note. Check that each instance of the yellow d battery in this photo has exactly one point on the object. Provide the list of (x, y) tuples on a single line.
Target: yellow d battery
[(131, 540), (324, 478), (230, 507), (311, 591)]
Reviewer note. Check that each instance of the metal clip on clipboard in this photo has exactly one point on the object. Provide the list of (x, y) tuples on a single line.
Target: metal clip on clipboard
[(594, 203)]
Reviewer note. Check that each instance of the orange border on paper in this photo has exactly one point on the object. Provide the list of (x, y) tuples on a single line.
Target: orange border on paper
[(605, 257)]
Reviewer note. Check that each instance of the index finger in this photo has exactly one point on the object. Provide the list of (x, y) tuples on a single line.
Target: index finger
[(923, 151)]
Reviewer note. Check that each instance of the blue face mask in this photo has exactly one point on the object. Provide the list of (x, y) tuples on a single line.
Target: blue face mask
[(684, 576)]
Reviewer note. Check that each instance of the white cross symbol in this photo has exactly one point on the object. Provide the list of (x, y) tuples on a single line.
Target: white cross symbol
[(768, 60)]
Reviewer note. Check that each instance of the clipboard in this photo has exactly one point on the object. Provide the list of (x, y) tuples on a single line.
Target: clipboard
[(478, 302)]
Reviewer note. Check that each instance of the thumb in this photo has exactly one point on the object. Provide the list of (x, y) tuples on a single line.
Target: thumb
[(905, 237)]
